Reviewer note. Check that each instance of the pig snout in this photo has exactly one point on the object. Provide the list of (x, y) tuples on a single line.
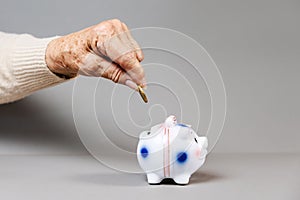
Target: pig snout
[(203, 142)]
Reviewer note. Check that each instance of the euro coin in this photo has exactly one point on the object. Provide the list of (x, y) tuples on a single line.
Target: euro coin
[(142, 93)]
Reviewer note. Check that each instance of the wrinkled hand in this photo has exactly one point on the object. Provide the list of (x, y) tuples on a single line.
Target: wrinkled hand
[(104, 50)]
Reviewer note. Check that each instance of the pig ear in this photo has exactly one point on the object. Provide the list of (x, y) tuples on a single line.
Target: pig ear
[(155, 128), (184, 133)]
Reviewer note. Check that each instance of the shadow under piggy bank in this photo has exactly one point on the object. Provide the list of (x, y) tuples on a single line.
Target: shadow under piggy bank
[(196, 178)]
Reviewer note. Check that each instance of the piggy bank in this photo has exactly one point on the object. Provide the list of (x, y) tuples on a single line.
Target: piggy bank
[(171, 150)]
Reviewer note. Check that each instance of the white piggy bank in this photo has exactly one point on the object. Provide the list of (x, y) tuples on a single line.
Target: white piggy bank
[(171, 150)]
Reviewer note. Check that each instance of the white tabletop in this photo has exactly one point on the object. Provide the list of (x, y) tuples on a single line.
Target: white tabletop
[(247, 176)]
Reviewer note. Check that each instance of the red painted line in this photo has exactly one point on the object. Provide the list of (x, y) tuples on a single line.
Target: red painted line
[(168, 152), (164, 156)]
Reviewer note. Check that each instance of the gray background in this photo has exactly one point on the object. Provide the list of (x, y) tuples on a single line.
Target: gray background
[(256, 47)]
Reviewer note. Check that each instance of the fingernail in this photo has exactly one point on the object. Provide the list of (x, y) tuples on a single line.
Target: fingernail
[(131, 84), (144, 84)]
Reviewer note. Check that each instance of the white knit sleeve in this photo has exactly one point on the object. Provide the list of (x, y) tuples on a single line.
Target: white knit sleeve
[(23, 68)]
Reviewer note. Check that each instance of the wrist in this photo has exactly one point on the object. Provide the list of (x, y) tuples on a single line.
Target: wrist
[(55, 60)]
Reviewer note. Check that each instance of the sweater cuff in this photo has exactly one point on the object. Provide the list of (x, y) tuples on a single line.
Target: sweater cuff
[(29, 65)]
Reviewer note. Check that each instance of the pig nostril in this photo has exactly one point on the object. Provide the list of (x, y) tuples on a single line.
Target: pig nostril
[(196, 140)]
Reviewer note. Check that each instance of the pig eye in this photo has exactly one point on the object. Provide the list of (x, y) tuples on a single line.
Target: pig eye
[(196, 140), (148, 133)]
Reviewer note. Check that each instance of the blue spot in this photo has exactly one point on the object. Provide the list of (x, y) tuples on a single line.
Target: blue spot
[(182, 157), (144, 152), (182, 125)]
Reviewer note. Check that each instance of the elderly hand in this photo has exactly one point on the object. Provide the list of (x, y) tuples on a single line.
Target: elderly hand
[(104, 50)]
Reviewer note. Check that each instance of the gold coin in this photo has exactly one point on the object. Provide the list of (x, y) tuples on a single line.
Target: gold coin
[(142, 93)]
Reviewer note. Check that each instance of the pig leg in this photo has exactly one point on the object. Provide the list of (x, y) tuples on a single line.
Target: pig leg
[(153, 178), (182, 179)]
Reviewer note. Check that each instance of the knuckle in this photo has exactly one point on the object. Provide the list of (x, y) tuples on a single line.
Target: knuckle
[(124, 26), (104, 24), (128, 60), (115, 21), (141, 55), (104, 27)]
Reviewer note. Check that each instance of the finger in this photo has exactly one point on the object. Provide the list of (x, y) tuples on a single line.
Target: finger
[(132, 66), (115, 73), (136, 47), (134, 44), (123, 55)]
